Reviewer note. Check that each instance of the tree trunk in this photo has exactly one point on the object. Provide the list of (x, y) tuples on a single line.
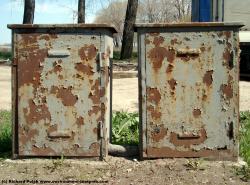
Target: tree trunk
[(81, 11), (128, 32), (29, 10)]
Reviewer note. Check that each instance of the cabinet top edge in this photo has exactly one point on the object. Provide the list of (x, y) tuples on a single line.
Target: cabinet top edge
[(64, 26)]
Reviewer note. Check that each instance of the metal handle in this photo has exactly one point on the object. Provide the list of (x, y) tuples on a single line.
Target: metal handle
[(59, 134), (192, 52), (58, 53), (188, 136)]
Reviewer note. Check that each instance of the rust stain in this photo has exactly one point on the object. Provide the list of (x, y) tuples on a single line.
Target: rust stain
[(153, 95), (26, 135), (168, 152), (158, 41), (88, 52), (44, 151), (228, 34), (188, 140), (228, 58), (158, 53), (48, 37), (31, 71), (170, 68), (57, 66), (196, 113), (227, 90), (85, 69), (159, 134), (29, 41), (172, 83), (36, 113), (65, 94), (173, 41), (96, 94), (208, 78), (155, 114), (95, 148), (80, 121), (94, 110)]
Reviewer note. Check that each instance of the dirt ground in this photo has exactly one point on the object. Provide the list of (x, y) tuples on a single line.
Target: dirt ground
[(116, 170)]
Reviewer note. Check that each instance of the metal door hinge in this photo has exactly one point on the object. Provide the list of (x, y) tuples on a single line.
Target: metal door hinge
[(102, 61), (101, 130)]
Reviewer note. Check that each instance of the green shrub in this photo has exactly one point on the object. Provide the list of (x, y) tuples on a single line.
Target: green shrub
[(5, 55), (244, 171), (5, 131), (125, 128), (245, 136)]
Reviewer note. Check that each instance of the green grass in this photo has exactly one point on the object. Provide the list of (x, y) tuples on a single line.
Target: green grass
[(244, 171), (5, 133), (245, 136), (125, 128), (5, 55)]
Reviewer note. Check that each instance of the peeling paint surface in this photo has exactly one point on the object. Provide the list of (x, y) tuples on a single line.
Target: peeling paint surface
[(191, 97), (62, 92)]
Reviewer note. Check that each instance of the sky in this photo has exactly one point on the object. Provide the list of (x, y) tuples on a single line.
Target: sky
[(46, 12)]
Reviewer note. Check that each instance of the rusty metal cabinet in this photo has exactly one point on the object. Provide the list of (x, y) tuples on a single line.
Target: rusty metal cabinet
[(188, 90), (60, 78)]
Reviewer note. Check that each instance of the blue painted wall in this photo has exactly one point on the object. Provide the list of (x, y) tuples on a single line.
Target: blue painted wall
[(205, 10), (201, 10)]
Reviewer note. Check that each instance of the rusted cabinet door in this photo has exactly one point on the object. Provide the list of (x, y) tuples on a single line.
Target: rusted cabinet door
[(191, 100), (59, 94)]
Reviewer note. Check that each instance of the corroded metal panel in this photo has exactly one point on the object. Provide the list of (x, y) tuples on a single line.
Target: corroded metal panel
[(191, 92), (61, 93)]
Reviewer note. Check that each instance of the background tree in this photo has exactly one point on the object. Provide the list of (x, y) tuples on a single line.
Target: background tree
[(81, 11), (183, 10), (151, 11), (128, 31), (29, 10), (113, 14)]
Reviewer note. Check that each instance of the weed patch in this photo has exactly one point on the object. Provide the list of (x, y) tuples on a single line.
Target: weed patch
[(125, 128), (5, 55), (5, 133)]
